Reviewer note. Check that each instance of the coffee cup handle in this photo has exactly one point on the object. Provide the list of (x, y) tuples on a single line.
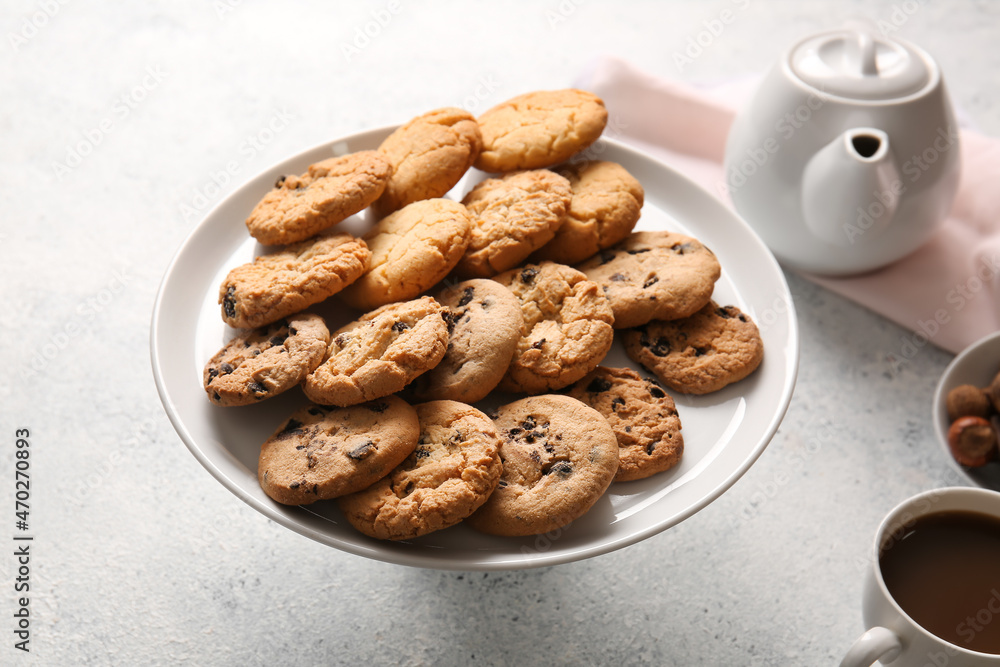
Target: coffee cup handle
[(876, 644)]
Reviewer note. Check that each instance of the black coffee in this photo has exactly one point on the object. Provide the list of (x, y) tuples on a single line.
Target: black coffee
[(944, 571)]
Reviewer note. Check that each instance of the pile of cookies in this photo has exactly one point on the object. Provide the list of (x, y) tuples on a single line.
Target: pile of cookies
[(517, 288)]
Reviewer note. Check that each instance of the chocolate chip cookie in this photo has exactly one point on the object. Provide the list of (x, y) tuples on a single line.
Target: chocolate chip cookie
[(412, 250), (484, 324), (654, 276), (606, 204), (539, 129), (451, 473), (511, 217), (380, 353), (559, 456), (329, 192), (567, 327), (267, 361), (429, 155), (284, 282), (701, 353), (642, 415), (323, 452)]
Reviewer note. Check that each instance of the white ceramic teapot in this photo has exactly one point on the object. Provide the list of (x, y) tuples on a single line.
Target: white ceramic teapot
[(847, 157)]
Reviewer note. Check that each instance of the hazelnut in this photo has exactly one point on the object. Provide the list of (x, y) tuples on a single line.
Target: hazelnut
[(968, 400), (993, 391), (972, 441)]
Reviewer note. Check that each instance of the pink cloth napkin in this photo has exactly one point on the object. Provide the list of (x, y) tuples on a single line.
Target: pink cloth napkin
[(947, 293)]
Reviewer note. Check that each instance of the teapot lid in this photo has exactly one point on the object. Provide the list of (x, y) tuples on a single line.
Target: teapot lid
[(857, 65)]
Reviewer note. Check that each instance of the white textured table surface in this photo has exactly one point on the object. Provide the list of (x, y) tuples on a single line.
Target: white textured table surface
[(116, 121)]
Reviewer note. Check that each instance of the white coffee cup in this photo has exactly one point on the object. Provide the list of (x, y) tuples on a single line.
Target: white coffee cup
[(893, 638)]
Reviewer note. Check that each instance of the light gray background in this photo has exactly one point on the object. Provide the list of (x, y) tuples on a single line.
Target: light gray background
[(142, 558)]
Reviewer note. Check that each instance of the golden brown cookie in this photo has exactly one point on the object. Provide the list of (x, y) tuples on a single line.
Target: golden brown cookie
[(265, 362), (559, 457), (539, 129), (412, 250), (380, 353), (429, 155), (484, 324), (567, 323), (323, 452), (642, 415), (701, 353), (284, 282), (451, 473), (330, 191), (606, 205), (654, 276), (511, 217)]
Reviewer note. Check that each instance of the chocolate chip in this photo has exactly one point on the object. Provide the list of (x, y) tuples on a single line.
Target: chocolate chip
[(502, 483), (400, 326), (655, 391), (638, 251), (229, 301), (226, 368), (293, 427), (216, 396), (362, 451), (421, 453), (278, 340), (597, 385), (532, 436), (528, 424), (379, 407), (466, 296), (528, 275), (292, 331), (607, 256), (341, 340), (537, 345), (660, 347), (650, 448), (450, 318), (255, 353), (293, 485), (549, 448), (618, 277), (257, 388), (681, 248), (562, 467), (652, 280), (281, 180), (700, 351), (628, 429), (535, 457), (212, 373), (514, 431), (300, 446), (616, 403)]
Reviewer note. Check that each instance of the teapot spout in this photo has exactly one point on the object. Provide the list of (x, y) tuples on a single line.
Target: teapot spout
[(851, 187)]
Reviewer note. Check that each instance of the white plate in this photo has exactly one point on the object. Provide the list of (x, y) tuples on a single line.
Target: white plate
[(724, 432), (975, 365)]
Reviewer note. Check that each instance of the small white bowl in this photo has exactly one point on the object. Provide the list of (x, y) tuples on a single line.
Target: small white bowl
[(976, 365)]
